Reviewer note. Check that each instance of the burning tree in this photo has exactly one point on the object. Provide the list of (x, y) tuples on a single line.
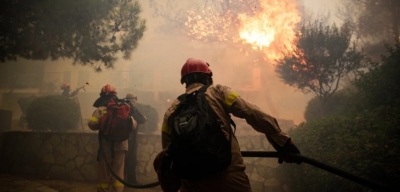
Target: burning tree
[(321, 56), (259, 29), (263, 25), (204, 20)]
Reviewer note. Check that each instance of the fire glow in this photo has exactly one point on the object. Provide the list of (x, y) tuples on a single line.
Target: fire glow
[(209, 25), (272, 28), (267, 25)]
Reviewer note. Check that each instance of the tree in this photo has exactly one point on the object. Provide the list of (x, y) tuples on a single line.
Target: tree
[(320, 57), (375, 22), (363, 141), (380, 86), (87, 31)]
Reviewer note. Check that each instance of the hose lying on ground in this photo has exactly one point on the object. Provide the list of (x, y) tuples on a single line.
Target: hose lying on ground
[(139, 186), (341, 173)]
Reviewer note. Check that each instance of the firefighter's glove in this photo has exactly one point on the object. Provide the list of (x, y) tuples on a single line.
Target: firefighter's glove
[(288, 148)]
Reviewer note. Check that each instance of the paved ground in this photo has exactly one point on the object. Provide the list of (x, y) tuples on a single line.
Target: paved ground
[(12, 183)]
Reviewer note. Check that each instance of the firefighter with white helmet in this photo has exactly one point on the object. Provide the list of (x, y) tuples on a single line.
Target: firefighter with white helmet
[(131, 156)]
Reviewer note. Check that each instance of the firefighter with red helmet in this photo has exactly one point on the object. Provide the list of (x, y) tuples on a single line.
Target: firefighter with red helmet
[(224, 102), (116, 158), (66, 89)]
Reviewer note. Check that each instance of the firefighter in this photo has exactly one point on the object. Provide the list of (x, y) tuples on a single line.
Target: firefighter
[(225, 102), (66, 89), (116, 158), (131, 157)]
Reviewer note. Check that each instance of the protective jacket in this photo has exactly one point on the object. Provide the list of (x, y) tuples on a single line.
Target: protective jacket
[(224, 102), (106, 182), (131, 156)]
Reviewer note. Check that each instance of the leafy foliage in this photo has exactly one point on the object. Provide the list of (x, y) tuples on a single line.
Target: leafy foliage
[(375, 22), (381, 85), (151, 114), (322, 55), (87, 31), (53, 113), (363, 144), (364, 140), (340, 103), (374, 18)]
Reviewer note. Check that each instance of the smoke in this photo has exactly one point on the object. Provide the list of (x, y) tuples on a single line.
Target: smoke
[(232, 65), (155, 66)]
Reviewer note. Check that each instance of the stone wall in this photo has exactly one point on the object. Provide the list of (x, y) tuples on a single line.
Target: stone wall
[(50, 155), (74, 156)]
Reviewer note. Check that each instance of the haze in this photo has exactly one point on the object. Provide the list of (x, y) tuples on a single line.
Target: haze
[(155, 67)]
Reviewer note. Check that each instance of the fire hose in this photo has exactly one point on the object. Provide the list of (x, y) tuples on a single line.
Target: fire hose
[(315, 163), (132, 185), (271, 154)]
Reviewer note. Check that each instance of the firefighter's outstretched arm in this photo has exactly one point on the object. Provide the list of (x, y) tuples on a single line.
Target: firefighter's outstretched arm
[(76, 91), (264, 123)]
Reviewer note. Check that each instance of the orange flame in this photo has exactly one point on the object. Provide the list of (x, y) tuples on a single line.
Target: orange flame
[(266, 25), (272, 28)]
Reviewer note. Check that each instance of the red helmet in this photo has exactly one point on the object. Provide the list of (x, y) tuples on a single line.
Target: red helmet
[(195, 66), (65, 86), (108, 89)]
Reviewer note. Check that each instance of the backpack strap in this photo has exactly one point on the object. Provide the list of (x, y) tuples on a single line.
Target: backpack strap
[(233, 124), (182, 97), (203, 89)]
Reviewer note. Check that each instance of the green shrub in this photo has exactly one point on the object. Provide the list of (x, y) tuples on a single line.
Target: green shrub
[(362, 137), (365, 144), (380, 86), (341, 102), (151, 114), (53, 113)]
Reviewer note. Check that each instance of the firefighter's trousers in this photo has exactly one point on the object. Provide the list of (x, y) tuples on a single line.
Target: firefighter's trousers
[(106, 181)]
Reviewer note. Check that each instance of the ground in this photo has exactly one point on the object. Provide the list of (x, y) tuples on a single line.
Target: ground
[(80, 186)]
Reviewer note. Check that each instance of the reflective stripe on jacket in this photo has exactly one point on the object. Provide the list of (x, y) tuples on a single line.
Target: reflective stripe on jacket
[(94, 124)]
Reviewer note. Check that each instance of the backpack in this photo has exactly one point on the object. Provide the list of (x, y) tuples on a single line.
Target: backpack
[(116, 124), (198, 146)]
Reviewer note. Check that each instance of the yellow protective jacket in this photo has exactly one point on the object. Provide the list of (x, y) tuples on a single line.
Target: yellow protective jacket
[(224, 102), (94, 124)]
